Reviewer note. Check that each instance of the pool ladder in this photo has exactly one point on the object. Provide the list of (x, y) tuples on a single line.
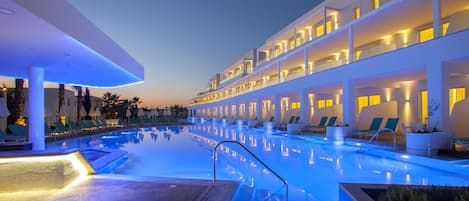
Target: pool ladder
[(214, 158)]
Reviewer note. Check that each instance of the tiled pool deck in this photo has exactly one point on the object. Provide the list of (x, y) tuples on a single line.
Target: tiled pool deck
[(112, 187)]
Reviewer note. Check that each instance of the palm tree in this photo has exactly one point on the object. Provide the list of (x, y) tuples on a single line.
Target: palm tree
[(87, 102), (79, 101), (19, 100), (61, 96)]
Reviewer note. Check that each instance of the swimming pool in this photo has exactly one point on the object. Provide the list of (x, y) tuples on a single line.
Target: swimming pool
[(313, 168)]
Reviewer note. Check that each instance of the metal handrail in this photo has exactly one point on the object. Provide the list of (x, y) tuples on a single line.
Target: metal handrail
[(214, 155), (379, 132), (457, 140)]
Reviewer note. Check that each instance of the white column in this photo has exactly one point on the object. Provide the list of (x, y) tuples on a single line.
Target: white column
[(351, 52), (278, 70), (236, 114), (324, 20), (261, 82), (436, 18), (304, 106), (438, 98), (349, 102), (36, 108), (221, 112), (259, 109), (246, 111), (294, 37), (305, 60), (228, 112), (277, 109)]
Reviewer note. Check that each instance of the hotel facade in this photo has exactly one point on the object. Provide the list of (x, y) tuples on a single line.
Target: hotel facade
[(354, 59)]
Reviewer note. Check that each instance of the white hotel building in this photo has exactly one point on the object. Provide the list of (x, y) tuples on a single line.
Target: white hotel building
[(405, 58)]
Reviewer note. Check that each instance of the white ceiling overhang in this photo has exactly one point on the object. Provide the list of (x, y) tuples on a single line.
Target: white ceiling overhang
[(53, 35)]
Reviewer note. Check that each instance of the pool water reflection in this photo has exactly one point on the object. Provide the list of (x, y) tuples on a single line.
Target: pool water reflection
[(312, 168)]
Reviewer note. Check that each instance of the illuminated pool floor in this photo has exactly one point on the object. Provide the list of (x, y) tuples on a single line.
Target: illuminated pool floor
[(313, 169)]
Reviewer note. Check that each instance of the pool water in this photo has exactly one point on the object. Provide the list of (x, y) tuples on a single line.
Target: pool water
[(313, 168)]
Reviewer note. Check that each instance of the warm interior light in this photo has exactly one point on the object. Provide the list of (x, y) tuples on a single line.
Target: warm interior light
[(388, 94), (387, 39)]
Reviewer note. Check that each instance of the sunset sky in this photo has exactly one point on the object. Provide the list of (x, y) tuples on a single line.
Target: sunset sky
[(182, 43)]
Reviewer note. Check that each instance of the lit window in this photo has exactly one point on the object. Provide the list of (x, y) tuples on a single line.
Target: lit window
[(375, 4), (424, 104), (375, 100), (321, 104), (277, 51), (292, 44), (356, 12), (362, 102), (445, 28), (298, 40), (325, 103), (358, 53), (295, 105), (328, 27), (425, 35), (328, 102), (456, 95), (319, 30)]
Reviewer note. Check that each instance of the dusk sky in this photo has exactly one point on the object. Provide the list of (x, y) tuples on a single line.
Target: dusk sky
[(182, 43)]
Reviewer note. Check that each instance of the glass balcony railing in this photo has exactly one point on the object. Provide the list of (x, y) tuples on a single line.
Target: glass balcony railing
[(374, 48)]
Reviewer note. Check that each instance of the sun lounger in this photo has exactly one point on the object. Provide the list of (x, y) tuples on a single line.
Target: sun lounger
[(390, 127), (322, 123), (20, 133), (374, 127)]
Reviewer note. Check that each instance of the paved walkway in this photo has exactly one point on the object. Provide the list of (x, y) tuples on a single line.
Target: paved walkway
[(114, 187)]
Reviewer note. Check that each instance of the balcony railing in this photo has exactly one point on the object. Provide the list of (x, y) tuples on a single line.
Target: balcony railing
[(377, 47)]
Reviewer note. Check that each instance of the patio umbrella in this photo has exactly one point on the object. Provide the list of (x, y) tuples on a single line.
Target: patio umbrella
[(4, 113)]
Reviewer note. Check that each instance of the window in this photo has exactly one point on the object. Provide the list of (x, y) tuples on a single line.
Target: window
[(276, 50), (319, 30), (375, 100), (329, 102), (358, 53), (426, 34), (298, 41), (424, 104), (364, 101), (321, 104), (292, 44), (375, 4), (325, 103), (444, 29), (328, 27), (356, 12), (295, 105), (456, 95)]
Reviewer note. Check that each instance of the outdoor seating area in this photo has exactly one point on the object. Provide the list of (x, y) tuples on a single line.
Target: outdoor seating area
[(57, 131)]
